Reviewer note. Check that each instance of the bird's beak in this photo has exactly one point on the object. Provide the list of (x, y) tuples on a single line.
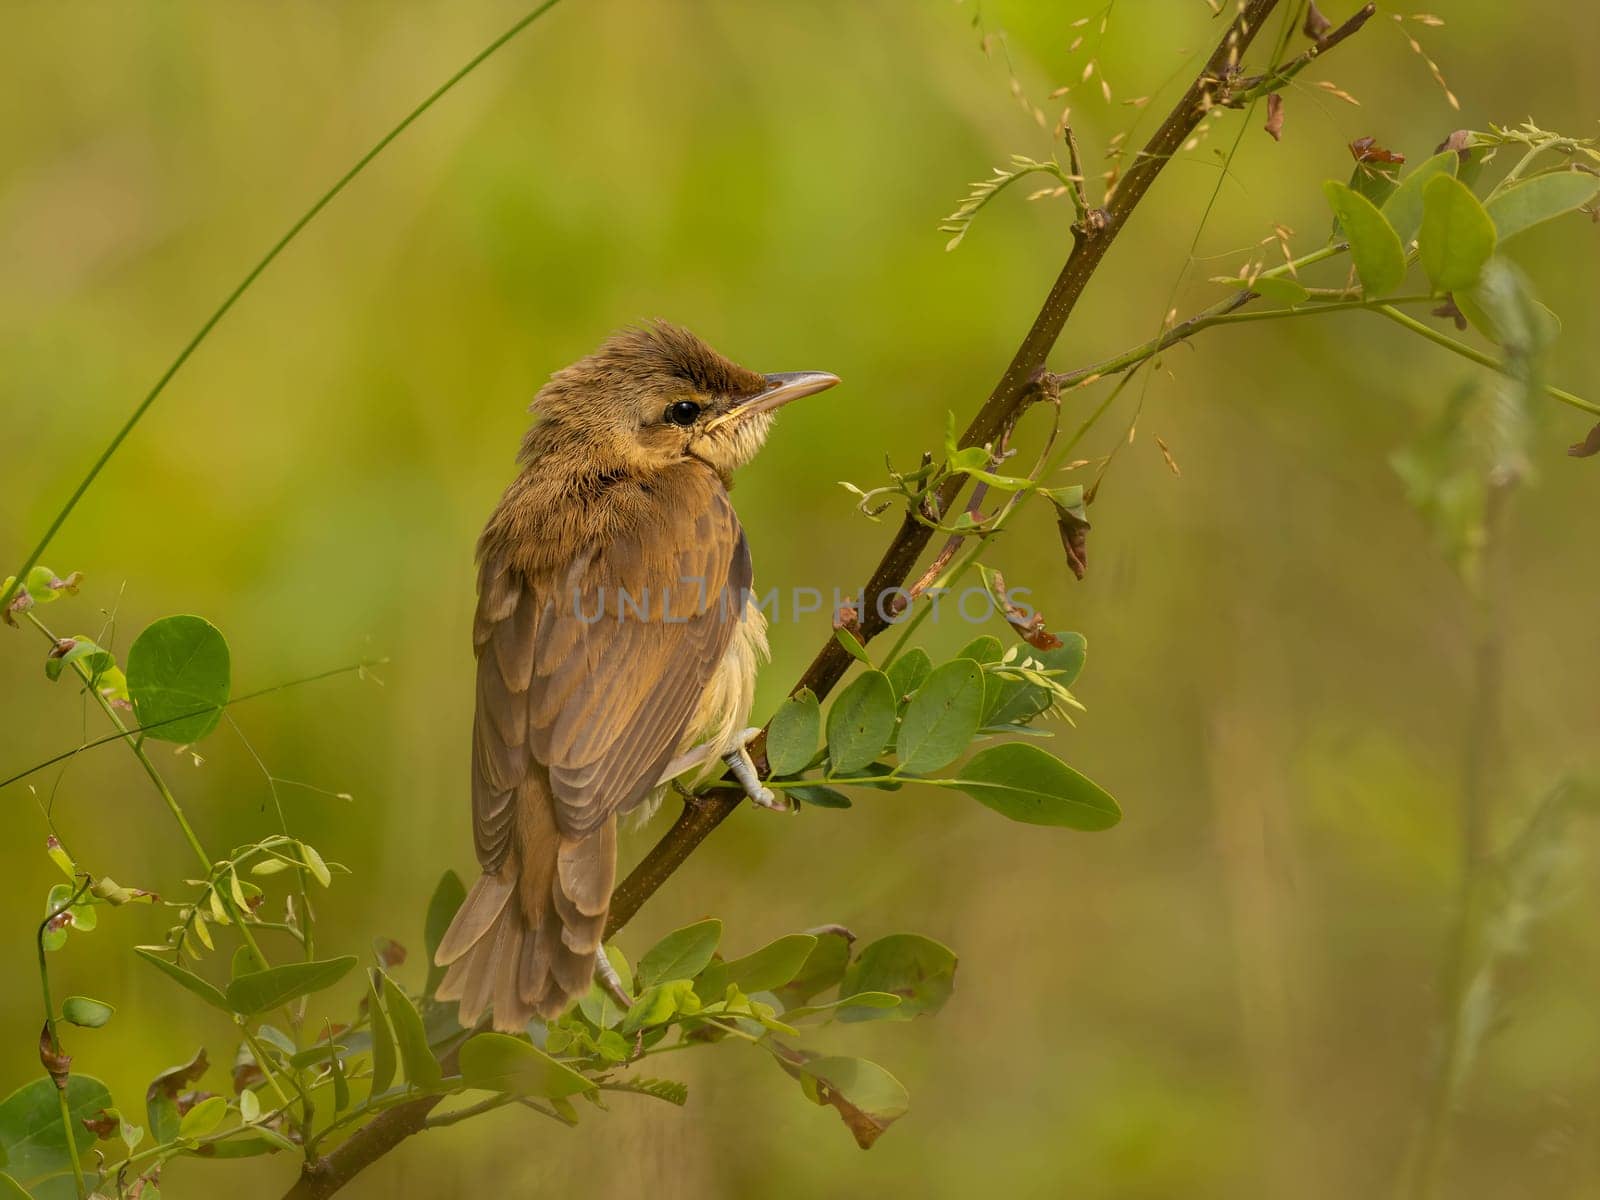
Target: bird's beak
[(781, 388)]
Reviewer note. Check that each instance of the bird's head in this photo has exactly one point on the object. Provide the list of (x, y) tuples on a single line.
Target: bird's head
[(655, 395)]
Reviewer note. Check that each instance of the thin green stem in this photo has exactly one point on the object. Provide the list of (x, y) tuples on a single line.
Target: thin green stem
[(251, 276), (54, 1035), (136, 745), (258, 1052), (117, 737), (1479, 357)]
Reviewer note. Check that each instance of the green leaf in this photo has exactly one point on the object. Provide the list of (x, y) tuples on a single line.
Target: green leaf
[(206, 990), (907, 672), (245, 961), (942, 718), (260, 991), (1540, 199), (818, 796), (985, 648), (1014, 702), (383, 1059), (81, 1010), (1374, 179), (917, 969), (33, 1144), (682, 954), (497, 1062), (161, 1097), (260, 1140), (314, 861), (10, 1189), (824, 966), (1374, 245), (599, 1006), (867, 1097), (1457, 235), (178, 677), (792, 736), (1403, 208), (1028, 784), (853, 644), (860, 722), (95, 660), (764, 971), (1067, 658), (422, 1068), (863, 1004), (448, 896), (203, 1118), (1502, 308), (659, 1003)]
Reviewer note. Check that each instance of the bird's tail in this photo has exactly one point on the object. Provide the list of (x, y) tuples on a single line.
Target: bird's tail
[(524, 941)]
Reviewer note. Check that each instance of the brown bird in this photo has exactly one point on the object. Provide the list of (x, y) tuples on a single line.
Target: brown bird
[(617, 645)]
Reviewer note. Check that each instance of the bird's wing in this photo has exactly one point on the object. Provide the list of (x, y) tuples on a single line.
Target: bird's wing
[(595, 674)]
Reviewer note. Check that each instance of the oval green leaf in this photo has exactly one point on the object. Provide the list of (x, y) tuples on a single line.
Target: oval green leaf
[(261, 991), (917, 969), (1502, 308), (1374, 245), (447, 897), (942, 717), (1540, 199), (792, 736), (1030, 785), (824, 966), (768, 969), (867, 1097), (498, 1062), (383, 1054), (33, 1144), (682, 954), (422, 1068), (90, 1014), (985, 648), (1457, 236), (860, 722), (206, 990), (178, 676), (818, 796), (907, 672), (203, 1118), (1403, 208)]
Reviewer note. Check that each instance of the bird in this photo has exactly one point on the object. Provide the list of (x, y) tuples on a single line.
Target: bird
[(617, 641)]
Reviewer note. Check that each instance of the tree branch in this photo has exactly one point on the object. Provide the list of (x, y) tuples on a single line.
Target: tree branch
[(1091, 239), (1093, 236)]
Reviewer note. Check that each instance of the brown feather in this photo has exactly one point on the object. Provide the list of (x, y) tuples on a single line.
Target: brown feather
[(582, 699)]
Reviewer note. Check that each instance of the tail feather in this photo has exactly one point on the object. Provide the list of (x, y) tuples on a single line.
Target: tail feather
[(524, 942)]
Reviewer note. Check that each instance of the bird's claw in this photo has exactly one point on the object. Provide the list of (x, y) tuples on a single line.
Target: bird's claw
[(743, 768)]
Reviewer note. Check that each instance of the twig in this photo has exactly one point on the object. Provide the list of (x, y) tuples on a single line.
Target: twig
[(1010, 396), (1091, 241), (1245, 89)]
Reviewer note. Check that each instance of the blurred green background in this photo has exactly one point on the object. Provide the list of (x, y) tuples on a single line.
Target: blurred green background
[(1232, 993)]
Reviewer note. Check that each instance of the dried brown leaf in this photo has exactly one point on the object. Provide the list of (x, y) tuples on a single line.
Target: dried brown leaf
[(1589, 447), (1274, 124)]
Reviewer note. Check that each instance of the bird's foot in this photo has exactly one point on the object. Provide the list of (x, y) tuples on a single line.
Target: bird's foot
[(610, 980), (743, 769)]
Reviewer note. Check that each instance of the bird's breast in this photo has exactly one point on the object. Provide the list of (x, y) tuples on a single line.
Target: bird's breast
[(724, 706)]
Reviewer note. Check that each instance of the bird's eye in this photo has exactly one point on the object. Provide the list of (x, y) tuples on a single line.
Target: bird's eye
[(682, 412)]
